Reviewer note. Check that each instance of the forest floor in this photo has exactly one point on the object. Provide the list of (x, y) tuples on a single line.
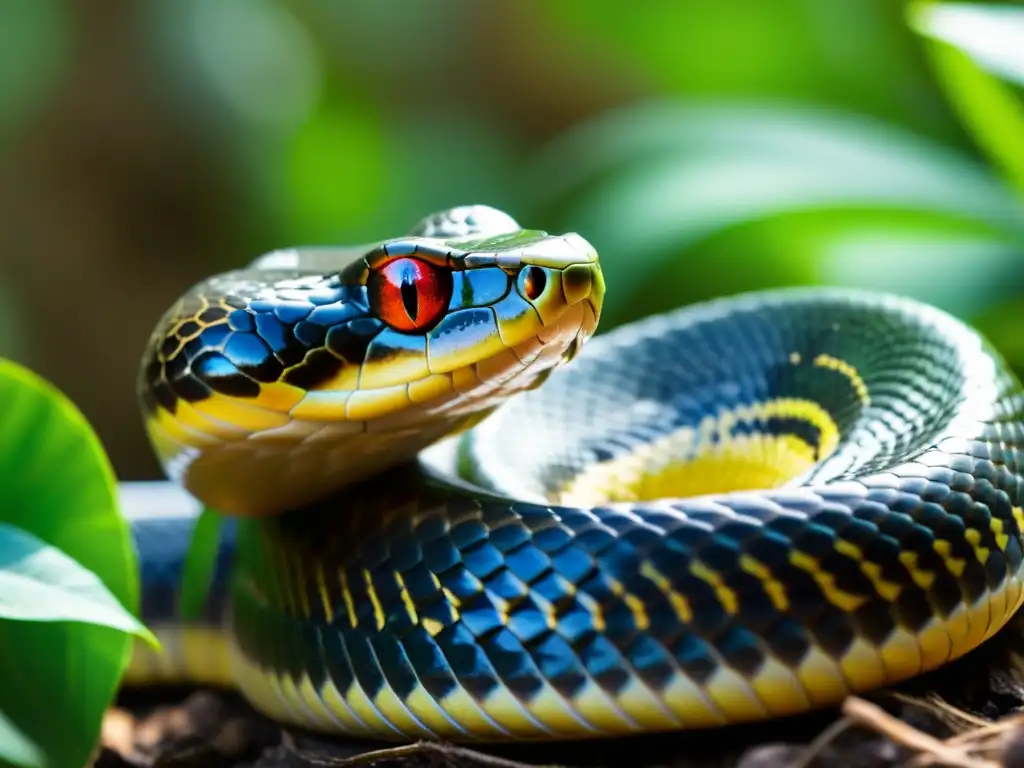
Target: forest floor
[(970, 714)]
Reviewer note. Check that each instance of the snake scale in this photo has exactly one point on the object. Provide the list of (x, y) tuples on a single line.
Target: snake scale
[(440, 527)]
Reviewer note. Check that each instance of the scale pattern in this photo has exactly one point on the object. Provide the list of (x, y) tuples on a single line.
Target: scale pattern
[(420, 607)]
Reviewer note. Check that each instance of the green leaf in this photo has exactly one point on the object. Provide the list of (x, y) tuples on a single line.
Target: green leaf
[(963, 40), (16, 748), (57, 484), (38, 582), (850, 53), (989, 34), (200, 562), (650, 183)]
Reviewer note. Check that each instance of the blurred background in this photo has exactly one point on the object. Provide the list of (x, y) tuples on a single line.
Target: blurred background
[(704, 147)]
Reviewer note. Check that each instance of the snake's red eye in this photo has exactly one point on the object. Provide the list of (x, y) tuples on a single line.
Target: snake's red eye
[(409, 294)]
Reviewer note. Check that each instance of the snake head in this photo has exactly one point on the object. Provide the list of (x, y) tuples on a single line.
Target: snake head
[(270, 387)]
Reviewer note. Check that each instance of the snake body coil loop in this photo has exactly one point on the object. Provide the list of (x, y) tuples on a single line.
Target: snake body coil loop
[(739, 510)]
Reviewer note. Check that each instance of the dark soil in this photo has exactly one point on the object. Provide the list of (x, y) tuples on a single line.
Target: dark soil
[(963, 715)]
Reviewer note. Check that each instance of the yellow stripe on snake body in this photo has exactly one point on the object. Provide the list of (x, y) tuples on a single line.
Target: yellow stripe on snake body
[(736, 511)]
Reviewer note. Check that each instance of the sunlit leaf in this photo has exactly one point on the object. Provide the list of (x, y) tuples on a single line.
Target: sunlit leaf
[(644, 184), (16, 748), (38, 582), (964, 37), (57, 484), (841, 53), (990, 34), (916, 254)]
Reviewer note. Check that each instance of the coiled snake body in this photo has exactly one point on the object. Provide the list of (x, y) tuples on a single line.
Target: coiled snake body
[(736, 511)]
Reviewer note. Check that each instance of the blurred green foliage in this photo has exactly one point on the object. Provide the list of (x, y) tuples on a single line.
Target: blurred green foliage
[(704, 147)]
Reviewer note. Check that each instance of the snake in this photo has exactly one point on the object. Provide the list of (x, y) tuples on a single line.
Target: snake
[(451, 509)]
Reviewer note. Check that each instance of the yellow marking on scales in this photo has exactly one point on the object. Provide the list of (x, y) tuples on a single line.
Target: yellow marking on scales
[(433, 626), (774, 588), (973, 537), (450, 596), (826, 582), (726, 596), (635, 604), (190, 417), (887, 590), (1018, 516), (955, 565), (324, 593), (924, 579), (591, 606), (848, 548), (998, 531), (350, 606), (371, 593), (709, 457), (679, 603), (847, 370), (407, 601), (278, 396)]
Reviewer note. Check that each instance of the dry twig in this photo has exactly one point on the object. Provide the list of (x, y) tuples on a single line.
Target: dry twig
[(932, 751)]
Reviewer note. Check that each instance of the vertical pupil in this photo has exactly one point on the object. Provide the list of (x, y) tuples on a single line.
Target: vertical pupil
[(410, 296), (534, 283)]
